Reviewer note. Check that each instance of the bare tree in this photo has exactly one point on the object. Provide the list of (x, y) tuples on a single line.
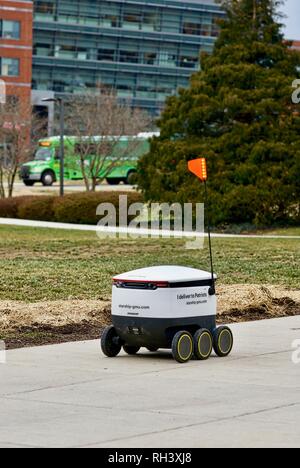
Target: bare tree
[(17, 126), (99, 123)]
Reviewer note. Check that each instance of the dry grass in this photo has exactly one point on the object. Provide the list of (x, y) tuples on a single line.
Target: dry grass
[(253, 302), (16, 315)]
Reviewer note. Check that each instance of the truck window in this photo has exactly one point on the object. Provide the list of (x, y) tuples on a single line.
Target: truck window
[(43, 154)]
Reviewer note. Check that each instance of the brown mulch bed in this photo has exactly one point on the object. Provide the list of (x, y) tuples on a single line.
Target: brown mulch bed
[(23, 324)]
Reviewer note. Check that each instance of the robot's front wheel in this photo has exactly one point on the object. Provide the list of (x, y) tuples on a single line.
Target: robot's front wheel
[(203, 344), (131, 350), (110, 342), (182, 347), (223, 341)]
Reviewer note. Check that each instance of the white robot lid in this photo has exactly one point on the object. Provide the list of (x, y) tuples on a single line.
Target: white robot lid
[(168, 274)]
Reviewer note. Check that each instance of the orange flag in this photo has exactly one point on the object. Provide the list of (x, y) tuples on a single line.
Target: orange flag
[(198, 167)]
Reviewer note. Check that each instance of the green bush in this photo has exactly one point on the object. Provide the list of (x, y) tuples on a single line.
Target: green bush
[(79, 208)]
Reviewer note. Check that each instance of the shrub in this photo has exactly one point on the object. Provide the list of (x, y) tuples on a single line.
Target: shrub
[(36, 209), (79, 208), (9, 208)]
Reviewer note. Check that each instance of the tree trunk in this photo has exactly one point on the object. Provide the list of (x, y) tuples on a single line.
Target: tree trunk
[(86, 182), (2, 188), (85, 176), (11, 181), (94, 184)]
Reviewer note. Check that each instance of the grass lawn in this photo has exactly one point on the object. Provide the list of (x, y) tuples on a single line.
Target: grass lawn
[(41, 264), (292, 231), (55, 286)]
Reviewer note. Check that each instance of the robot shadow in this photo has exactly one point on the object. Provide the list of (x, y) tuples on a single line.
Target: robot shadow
[(161, 354)]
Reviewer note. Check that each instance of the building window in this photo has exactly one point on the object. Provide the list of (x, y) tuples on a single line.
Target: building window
[(132, 20), (167, 59), (44, 50), (151, 22), (109, 21), (10, 29), (71, 52), (107, 55), (193, 29), (46, 9), (150, 58), (9, 66), (129, 57), (188, 61)]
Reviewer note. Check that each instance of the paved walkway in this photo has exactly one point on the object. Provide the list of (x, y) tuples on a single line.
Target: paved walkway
[(130, 231), (70, 395)]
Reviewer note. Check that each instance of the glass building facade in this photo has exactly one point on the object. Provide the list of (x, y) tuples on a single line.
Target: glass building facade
[(144, 50)]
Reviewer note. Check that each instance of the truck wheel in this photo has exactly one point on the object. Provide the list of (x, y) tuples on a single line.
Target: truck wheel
[(48, 178), (223, 341), (29, 183), (131, 178), (113, 181), (203, 344), (110, 343), (182, 347), (131, 350)]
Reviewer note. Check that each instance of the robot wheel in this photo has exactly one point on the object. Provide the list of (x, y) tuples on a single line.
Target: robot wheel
[(223, 341)]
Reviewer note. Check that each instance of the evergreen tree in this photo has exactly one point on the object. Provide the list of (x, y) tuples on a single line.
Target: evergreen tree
[(238, 113)]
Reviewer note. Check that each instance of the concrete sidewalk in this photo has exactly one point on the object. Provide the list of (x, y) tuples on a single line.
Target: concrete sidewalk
[(69, 395), (135, 231)]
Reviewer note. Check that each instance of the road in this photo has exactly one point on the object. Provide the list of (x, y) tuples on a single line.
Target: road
[(69, 395), (70, 187)]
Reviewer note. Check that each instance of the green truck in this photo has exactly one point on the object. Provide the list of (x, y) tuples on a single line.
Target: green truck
[(45, 167)]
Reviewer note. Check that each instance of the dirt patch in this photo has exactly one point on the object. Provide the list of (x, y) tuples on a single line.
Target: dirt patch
[(23, 324), (45, 335)]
